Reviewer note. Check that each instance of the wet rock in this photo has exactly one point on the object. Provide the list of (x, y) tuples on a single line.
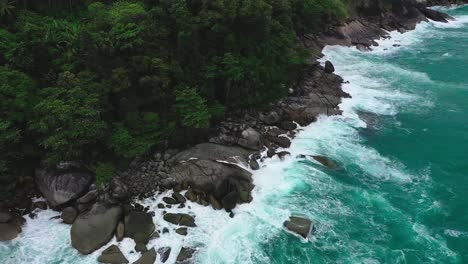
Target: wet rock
[(287, 125), (253, 164), (139, 226), (191, 195), (149, 257), (161, 206), (112, 255), (181, 231), (120, 231), (251, 139), (299, 225), (283, 142), (170, 200), (230, 200), (40, 205), (66, 182), (179, 197), (9, 231), (5, 217), (245, 197), (325, 161), (164, 253), (214, 202), (329, 68), (95, 228), (185, 254), (180, 219), (69, 215), (140, 247), (283, 154)]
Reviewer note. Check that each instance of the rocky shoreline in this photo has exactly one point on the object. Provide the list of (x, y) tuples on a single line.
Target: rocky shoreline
[(206, 173)]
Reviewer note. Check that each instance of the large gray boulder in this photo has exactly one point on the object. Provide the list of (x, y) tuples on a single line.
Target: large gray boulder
[(211, 151), (251, 139), (208, 175), (66, 182), (95, 228)]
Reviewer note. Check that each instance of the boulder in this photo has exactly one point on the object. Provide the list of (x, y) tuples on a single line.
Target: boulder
[(287, 125), (283, 154), (89, 197), (149, 257), (209, 176), (66, 182), (210, 151), (299, 225), (191, 195), (40, 205), (180, 219), (181, 231), (283, 142), (185, 254), (325, 161), (329, 68), (214, 202), (270, 118), (140, 247), (69, 215), (139, 226), (170, 200), (5, 217), (230, 200), (179, 197), (253, 164), (95, 228), (118, 189), (164, 253), (9, 231), (251, 139), (112, 255)]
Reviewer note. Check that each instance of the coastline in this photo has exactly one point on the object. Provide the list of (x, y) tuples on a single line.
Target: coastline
[(321, 70)]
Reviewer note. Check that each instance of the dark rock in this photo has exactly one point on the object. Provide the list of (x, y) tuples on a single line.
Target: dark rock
[(214, 202), (191, 195), (210, 151), (32, 215), (181, 231), (66, 182), (120, 231), (40, 205), (254, 164), (251, 139), (90, 197), (165, 230), (112, 255), (325, 161), (164, 253), (329, 68), (270, 118), (270, 152), (140, 247), (9, 231), (283, 142), (5, 217), (95, 228), (185, 254), (230, 200), (282, 154), (170, 200), (149, 257), (180, 219), (161, 206), (245, 197), (69, 215), (179, 197), (287, 125), (84, 207), (298, 225), (139, 226)]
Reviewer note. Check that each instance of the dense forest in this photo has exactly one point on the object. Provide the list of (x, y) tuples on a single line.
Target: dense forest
[(106, 81)]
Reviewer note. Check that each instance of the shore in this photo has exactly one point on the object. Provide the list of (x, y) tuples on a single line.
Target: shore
[(244, 138)]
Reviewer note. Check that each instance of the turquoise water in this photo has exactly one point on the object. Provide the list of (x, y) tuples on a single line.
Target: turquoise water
[(399, 197)]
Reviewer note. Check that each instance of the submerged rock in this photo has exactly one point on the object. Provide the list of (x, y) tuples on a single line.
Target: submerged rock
[(299, 225), (325, 161), (164, 253), (112, 255), (66, 182), (185, 254), (95, 228)]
